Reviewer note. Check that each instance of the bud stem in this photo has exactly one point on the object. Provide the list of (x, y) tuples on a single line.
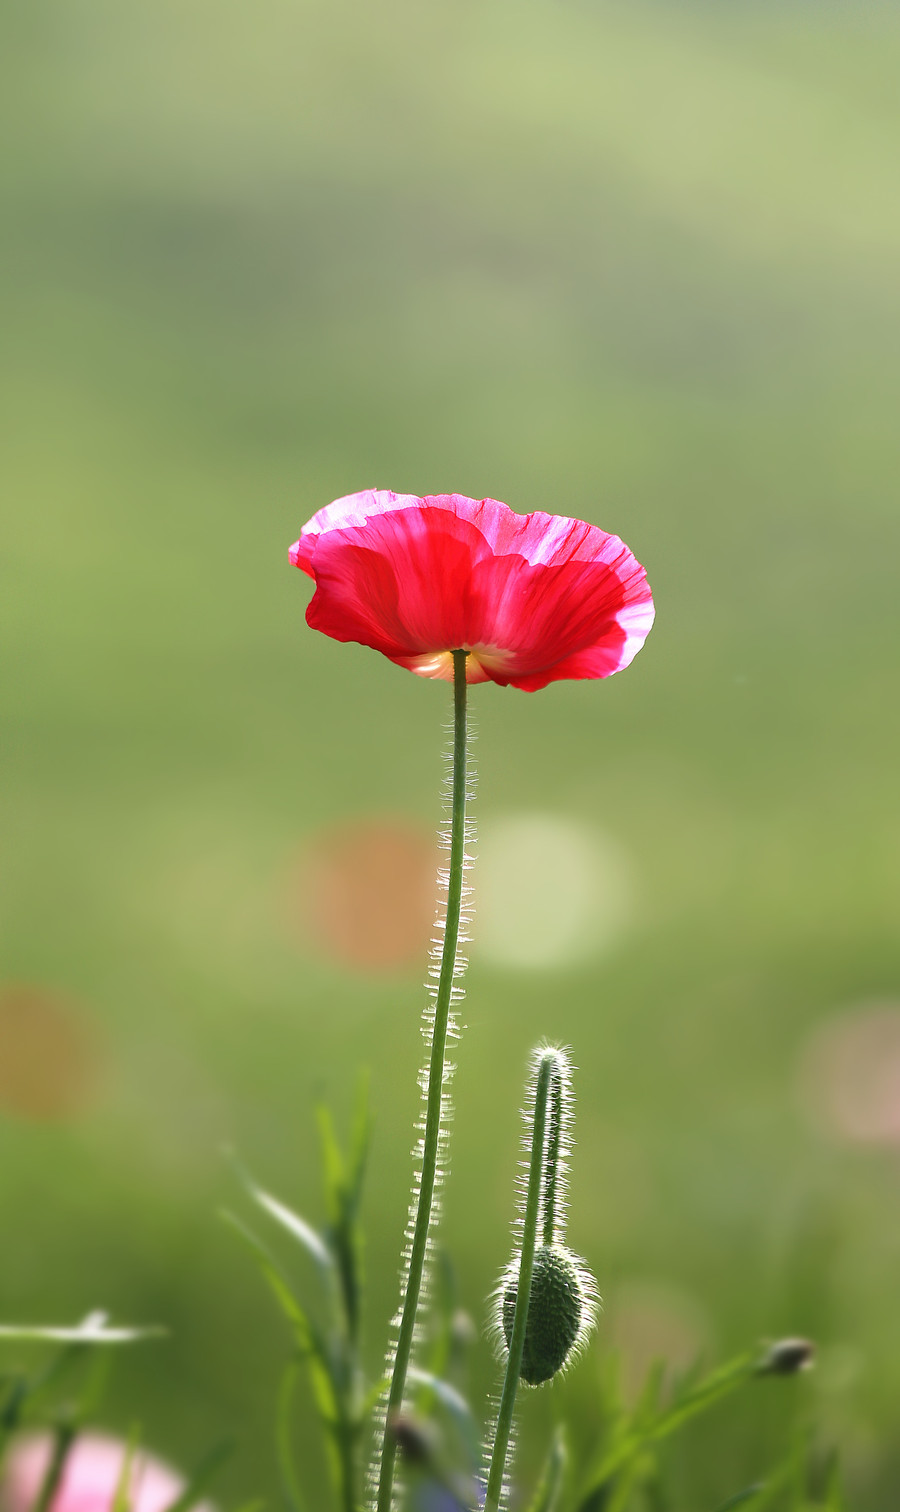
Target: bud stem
[(547, 1076), (435, 1082), (551, 1160)]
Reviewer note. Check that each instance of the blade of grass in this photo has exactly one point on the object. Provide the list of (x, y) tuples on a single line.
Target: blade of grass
[(743, 1498), (306, 1334), (92, 1331), (63, 1438), (121, 1501), (636, 1436), (550, 1487), (332, 1164), (834, 1496), (307, 1237), (286, 1465), (458, 1410), (204, 1473)]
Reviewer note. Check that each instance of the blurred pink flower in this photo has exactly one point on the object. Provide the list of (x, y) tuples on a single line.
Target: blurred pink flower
[(90, 1476)]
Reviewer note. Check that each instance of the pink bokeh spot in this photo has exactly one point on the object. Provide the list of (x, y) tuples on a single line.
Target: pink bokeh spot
[(532, 598), (90, 1477), (850, 1075)]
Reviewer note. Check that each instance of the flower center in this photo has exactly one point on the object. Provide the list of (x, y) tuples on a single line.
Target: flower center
[(481, 661)]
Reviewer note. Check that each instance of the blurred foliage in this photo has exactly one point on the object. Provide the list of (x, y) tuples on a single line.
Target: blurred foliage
[(633, 262)]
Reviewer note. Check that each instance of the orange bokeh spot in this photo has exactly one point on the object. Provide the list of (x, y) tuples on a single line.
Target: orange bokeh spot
[(651, 1322), (850, 1074), (366, 893), (46, 1054)]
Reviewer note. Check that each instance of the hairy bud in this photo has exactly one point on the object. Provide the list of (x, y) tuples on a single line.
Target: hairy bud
[(562, 1305), (557, 1306)]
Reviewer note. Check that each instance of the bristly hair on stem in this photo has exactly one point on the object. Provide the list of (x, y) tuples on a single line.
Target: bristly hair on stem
[(440, 1025)]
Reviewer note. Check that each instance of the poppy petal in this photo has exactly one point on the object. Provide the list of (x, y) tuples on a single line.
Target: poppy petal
[(534, 598)]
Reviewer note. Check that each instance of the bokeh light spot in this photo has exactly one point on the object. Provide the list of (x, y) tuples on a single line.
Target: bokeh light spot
[(548, 891), (366, 893), (647, 1321), (47, 1054), (850, 1075)]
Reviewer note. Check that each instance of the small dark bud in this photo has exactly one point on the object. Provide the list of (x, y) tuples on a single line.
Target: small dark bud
[(555, 1311), (414, 1438), (787, 1357)]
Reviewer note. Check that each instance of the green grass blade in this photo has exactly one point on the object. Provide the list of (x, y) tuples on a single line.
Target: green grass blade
[(295, 1314), (634, 1436), (359, 1142), (306, 1236), (63, 1438), (121, 1501), (457, 1409), (744, 1498), (550, 1488), (834, 1495), (332, 1164), (91, 1330), (286, 1464), (325, 1382), (202, 1476), (719, 1383)]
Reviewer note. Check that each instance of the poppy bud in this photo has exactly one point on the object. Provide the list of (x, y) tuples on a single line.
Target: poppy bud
[(557, 1307), (415, 1439), (787, 1357)]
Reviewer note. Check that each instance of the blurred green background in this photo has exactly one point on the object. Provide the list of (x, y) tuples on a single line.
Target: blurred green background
[(632, 262)]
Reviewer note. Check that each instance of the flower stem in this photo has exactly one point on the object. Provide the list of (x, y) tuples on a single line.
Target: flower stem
[(546, 1070), (434, 1105)]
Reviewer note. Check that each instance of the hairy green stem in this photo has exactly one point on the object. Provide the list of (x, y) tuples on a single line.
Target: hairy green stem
[(523, 1285), (435, 1083), (551, 1159)]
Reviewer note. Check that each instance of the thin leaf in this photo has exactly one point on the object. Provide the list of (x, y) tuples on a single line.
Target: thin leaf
[(633, 1437), (63, 1439), (763, 1492), (612, 1494), (288, 1303), (289, 1480), (121, 1501), (834, 1496), (91, 1330), (359, 1141), (713, 1387), (293, 1224), (655, 1494), (332, 1163), (326, 1389), (343, 1192), (744, 1498), (202, 1476), (457, 1408), (12, 1407), (647, 1407), (549, 1492)]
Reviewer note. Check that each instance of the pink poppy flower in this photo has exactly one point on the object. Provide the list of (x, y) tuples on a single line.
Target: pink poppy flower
[(90, 1476), (532, 598)]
